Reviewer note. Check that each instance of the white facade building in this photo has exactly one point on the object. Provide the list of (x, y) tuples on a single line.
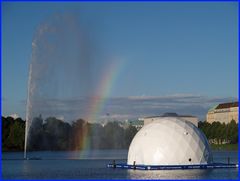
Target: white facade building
[(223, 113), (189, 118)]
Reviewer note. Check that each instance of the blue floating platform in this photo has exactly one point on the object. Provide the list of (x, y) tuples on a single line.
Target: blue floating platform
[(173, 167)]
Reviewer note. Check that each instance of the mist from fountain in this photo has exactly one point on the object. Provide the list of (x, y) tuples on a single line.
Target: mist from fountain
[(59, 71)]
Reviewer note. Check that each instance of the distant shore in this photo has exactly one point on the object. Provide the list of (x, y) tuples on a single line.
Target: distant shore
[(225, 147), (214, 147)]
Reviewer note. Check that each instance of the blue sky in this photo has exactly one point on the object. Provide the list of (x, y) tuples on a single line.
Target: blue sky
[(168, 48)]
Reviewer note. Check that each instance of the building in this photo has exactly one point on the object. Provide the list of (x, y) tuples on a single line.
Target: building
[(223, 113), (189, 118), (138, 124)]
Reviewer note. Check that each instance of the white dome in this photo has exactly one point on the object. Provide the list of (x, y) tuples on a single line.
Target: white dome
[(169, 141)]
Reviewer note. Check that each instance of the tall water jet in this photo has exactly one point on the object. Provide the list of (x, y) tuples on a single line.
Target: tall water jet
[(27, 114), (59, 72)]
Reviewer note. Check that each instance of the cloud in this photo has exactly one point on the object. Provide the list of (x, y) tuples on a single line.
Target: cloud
[(133, 107)]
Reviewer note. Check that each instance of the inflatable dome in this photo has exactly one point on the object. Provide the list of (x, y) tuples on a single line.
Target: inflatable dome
[(169, 141)]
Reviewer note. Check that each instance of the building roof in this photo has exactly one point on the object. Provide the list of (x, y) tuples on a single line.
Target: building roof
[(170, 114), (149, 117), (187, 116), (227, 105)]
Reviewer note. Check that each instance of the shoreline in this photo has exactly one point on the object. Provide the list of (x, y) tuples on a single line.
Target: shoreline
[(214, 147), (224, 147)]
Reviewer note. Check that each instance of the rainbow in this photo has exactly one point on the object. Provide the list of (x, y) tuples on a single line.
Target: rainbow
[(97, 102)]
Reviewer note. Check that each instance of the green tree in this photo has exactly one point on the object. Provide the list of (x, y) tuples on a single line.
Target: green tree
[(16, 136)]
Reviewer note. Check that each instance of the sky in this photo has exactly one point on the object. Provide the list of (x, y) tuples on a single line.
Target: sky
[(180, 57)]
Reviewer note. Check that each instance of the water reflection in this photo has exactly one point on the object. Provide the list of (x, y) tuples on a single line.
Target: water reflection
[(67, 165), (167, 174)]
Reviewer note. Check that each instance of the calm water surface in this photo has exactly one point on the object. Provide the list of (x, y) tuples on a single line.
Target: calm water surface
[(92, 165)]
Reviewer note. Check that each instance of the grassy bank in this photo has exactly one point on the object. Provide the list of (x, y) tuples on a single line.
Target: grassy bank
[(225, 147)]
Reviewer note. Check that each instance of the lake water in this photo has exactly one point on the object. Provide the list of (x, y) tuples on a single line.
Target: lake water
[(93, 165)]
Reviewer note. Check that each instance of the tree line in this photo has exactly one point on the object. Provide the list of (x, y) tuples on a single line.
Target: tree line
[(55, 134), (220, 133)]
